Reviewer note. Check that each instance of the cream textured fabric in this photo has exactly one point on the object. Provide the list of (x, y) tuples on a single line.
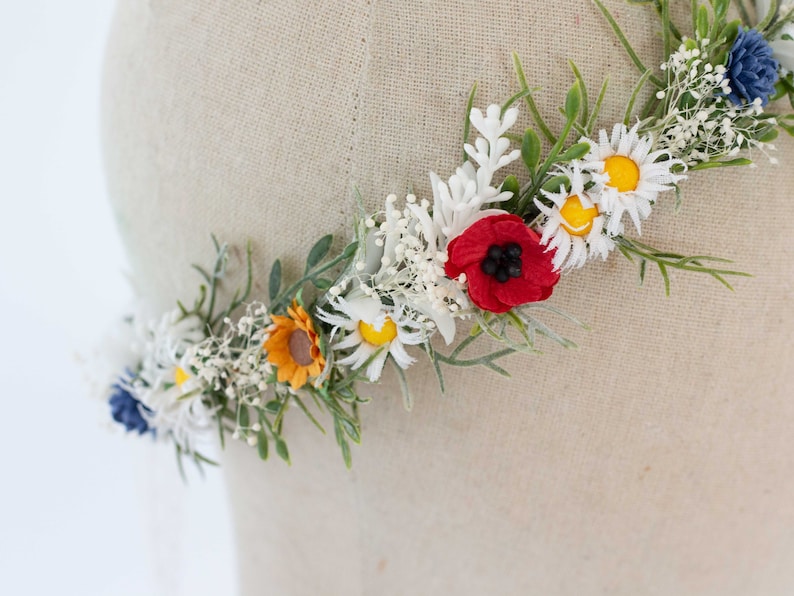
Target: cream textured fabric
[(655, 459)]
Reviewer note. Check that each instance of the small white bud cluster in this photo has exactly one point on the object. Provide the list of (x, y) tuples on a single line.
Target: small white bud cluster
[(701, 124), (236, 363)]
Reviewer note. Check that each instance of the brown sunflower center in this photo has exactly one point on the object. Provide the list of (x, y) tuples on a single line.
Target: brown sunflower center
[(300, 347)]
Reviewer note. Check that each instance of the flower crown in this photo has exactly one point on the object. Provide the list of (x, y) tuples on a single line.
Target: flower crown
[(488, 247)]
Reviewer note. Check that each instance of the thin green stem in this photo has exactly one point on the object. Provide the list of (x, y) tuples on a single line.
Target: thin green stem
[(625, 43), (290, 292), (533, 109), (743, 13), (544, 169)]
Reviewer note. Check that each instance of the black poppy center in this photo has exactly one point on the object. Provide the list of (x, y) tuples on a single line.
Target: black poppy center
[(502, 262)]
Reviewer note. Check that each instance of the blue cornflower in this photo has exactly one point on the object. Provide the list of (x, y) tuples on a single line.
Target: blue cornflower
[(752, 71), (126, 410)]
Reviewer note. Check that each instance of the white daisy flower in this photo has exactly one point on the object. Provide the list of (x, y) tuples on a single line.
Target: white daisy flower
[(631, 175), (166, 384), (574, 226), (371, 329)]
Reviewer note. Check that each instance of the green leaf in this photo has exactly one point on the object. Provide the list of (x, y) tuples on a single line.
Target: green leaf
[(273, 406), (637, 88), (583, 88), (707, 165), (721, 9), (666, 260), (730, 32), (282, 451), (408, 398), (318, 251), (573, 101), (769, 136), (274, 284), (553, 184), (351, 430), (774, 5), (436, 366), (323, 283), (520, 95), (789, 128), (703, 22), (597, 109), (221, 432), (530, 150), (262, 444), (666, 277), (466, 120), (242, 416), (575, 152), (350, 250), (511, 185), (346, 456), (666, 26)]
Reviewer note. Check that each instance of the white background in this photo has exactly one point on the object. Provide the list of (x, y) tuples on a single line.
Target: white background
[(77, 511)]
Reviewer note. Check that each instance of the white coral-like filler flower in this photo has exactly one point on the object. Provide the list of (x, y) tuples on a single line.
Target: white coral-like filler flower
[(631, 175), (458, 203), (165, 383), (373, 332), (574, 226), (401, 260)]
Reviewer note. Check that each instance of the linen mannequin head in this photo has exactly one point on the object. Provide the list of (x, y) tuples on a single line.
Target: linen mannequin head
[(653, 458)]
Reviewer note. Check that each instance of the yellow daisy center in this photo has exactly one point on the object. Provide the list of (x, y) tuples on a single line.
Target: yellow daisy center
[(378, 338), (575, 218), (180, 376), (624, 175)]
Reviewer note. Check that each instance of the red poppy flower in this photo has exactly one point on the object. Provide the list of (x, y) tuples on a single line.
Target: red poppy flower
[(504, 263)]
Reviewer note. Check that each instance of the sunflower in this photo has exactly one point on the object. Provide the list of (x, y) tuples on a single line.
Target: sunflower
[(294, 347)]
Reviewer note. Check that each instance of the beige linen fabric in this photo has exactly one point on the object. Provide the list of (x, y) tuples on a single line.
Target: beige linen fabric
[(655, 459)]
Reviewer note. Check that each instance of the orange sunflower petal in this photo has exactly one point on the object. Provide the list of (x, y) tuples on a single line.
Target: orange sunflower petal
[(278, 347)]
